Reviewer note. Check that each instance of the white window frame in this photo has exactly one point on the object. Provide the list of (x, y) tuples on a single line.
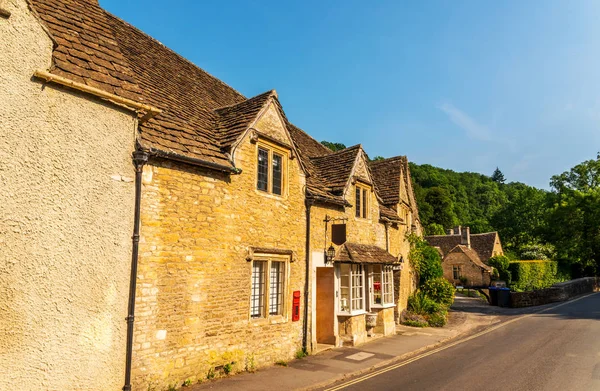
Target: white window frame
[(269, 260), (271, 150), (383, 274), (345, 304)]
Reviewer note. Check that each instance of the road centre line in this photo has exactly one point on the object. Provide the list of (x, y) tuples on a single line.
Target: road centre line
[(437, 350)]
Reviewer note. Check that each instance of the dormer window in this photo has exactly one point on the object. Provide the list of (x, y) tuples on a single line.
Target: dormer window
[(362, 201), (270, 169)]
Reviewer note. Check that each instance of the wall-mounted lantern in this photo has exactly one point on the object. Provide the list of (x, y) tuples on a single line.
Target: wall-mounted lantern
[(399, 266), (329, 254)]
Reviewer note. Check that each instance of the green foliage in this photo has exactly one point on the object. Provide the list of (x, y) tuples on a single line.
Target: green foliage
[(438, 318), (420, 304), (498, 176), (333, 146), (227, 368), (281, 363), (435, 229), (532, 275), (500, 263), (211, 374), (300, 354), (171, 387), (250, 363), (376, 158), (439, 290), (538, 251), (187, 383), (414, 320), (415, 323), (425, 260)]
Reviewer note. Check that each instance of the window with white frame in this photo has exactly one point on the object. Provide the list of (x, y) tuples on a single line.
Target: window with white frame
[(268, 287), (270, 175), (381, 278), (352, 288)]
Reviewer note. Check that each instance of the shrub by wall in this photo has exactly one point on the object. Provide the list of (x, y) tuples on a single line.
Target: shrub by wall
[(531, 275)]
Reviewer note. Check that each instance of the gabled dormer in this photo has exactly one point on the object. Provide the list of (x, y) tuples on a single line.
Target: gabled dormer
[(259, 123)]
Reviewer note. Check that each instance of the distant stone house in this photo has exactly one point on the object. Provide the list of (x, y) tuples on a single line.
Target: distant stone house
[(465, 255), (237, 208)]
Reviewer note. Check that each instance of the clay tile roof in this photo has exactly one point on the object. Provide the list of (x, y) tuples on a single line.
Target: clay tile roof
[(386, 174), (335, 168), (484, 244), (86, 49), (389, 213), (473, 256), (412, 202), (363, 253), (444, 242), (187, 95), (233, 120)]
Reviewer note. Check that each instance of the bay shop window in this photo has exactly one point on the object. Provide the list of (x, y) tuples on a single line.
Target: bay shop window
[(364, 287)]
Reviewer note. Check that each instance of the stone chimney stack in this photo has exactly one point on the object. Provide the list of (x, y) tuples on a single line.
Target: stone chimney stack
[(465, 238)]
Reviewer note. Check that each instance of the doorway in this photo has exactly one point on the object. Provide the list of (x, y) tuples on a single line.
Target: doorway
[(325, 305)]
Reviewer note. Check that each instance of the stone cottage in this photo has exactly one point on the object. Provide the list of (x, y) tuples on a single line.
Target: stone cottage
[(465, 255), (251, 240)]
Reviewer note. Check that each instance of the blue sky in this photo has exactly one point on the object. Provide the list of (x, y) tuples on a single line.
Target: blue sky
[(467, 85)]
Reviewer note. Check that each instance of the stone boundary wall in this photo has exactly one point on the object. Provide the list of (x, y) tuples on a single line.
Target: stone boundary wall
[(561, 291)]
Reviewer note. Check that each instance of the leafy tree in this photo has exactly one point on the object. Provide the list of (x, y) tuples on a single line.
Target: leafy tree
[(574, 217), (435, 229), (441, 203), (498, 176), (376, 158), (333, 146), (501, 264), (425, 260)]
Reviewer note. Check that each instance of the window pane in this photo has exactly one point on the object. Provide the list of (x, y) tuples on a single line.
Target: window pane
[(257, 302), (345, 287), (388, 285), (364, 204), (276, 288), (357, 203), (377, 284), (356, 278), (277, 173), (263, 169)]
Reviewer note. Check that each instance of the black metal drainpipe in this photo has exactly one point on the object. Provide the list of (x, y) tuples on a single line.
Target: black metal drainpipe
[(308, 204), (139, 159)]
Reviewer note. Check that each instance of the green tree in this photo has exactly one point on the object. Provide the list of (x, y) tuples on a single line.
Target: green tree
[(441, 203), (333, 146), (498, 176), (574, 219)]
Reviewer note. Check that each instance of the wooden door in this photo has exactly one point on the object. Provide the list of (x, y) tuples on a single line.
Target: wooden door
[(325, 305)]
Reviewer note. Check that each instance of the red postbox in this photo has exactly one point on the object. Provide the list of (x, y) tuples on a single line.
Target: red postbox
[(296, 306)]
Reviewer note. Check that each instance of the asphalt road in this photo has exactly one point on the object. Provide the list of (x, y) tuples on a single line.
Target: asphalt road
[(555, 350)]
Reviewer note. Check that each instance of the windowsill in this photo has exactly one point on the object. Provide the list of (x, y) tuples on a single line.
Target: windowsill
[(382, 306), (273, 319), (271, 195), (353, 313)]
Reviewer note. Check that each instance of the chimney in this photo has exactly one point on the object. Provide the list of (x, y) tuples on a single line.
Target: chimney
[(465, 238), (450, 231), (458, 230)]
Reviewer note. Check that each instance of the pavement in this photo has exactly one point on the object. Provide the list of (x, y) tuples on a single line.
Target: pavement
[(467, 316)]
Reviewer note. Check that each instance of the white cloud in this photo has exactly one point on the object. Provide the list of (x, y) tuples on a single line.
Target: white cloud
[(473, 129)]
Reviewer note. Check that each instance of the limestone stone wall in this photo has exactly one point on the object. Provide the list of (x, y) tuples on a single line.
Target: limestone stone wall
[(473, 273), (66, 218), (352, 330), (558, 292), (194, 281)]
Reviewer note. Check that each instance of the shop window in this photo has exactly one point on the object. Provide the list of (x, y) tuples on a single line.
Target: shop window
[(268, 287), (270, 176), (381, 279), (352, 288), (362, 201)]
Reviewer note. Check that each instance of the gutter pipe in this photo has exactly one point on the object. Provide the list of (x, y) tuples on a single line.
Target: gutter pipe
[(139, 159), (308, 204)]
